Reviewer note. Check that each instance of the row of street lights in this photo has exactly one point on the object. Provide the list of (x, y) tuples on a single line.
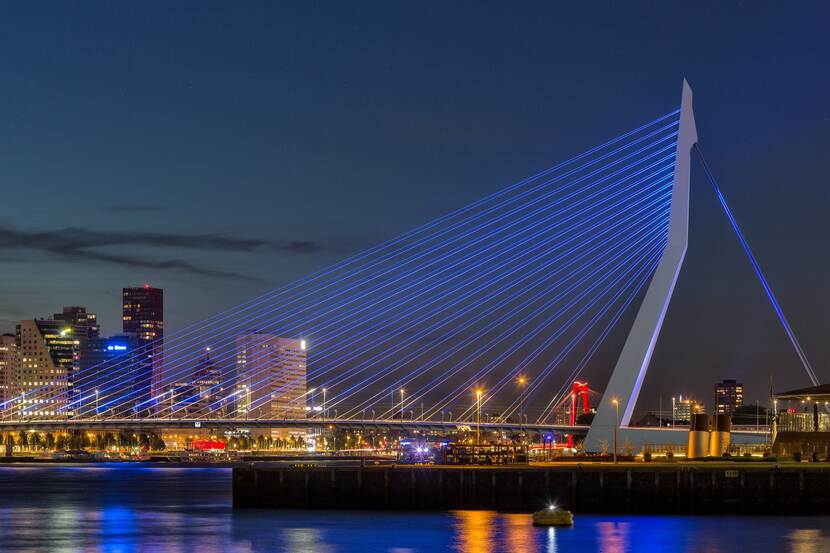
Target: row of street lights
[(521, 381)]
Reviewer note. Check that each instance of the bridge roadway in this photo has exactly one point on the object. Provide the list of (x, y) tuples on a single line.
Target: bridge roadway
[(150, 424)]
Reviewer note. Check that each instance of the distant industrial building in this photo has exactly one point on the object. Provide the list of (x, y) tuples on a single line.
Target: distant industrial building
[(270, 377), (729, 395), (143, 316)]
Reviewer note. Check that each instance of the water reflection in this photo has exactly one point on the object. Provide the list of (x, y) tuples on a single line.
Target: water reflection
[(613, 537), (811, 540), (474, 531), (551, 536), (133, 509), (304, 540), (519, 533)]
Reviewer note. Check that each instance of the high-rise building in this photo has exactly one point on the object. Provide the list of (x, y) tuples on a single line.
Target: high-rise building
[(207, 381), (107, 368), (8, 368), (86, 324), (270, 377), (48, 363), (84, 327), (143, 316), (729, 395)]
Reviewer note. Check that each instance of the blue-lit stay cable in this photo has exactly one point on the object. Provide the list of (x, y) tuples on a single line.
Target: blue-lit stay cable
[(594, 279), (514, 290), (558, 332), (526, 180), (110, 368), (199, 330), (518, 292), (511, 285), (755, 265), (327, 315), (634, 281)]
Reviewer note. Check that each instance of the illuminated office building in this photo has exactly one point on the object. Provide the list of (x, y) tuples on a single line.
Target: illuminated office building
[(8, 368), (683, 408), (85, 324), (143, 316), (49, 353), (106, 375), (729, 395), (270, 377)]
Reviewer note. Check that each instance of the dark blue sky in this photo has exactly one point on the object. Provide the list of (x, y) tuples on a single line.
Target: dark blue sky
[(218, 150)]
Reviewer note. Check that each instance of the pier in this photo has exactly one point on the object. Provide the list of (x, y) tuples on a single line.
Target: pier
[(701, 488)]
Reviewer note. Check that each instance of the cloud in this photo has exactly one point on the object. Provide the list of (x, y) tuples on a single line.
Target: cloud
[(135, 208), (76, 244), (73, 238)]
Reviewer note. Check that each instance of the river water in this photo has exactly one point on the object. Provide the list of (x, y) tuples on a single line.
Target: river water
[(118, 508)]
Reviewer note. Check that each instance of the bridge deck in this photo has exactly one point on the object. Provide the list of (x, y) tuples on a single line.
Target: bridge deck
[(155, 423)]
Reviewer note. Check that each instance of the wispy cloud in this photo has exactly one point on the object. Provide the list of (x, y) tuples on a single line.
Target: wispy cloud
[(77, 244)]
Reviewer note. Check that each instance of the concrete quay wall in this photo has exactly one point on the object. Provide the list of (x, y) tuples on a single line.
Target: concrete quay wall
[(756, 488)]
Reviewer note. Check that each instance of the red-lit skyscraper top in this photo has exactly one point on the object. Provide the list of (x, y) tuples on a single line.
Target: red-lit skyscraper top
[(143, 312)]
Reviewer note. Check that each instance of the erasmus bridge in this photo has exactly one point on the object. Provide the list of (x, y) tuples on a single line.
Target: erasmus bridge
[(483, 317)]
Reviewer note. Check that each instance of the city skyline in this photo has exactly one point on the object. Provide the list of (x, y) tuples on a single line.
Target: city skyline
[(720, 326), (475, 277)]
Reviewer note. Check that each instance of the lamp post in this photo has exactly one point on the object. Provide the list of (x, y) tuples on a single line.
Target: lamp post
[(672, 412), (402, 391), (478, 417), (96, 403), (617, 409), (522, 384), (324, 404)]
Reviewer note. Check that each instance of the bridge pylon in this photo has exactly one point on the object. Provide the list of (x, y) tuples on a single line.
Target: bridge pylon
[(630, 370)]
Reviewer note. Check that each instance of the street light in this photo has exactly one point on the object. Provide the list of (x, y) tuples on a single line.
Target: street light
[(324, 404), (478, 417), (522, 383), (402, 391), (617, 409), (96, 402), (672, 411)]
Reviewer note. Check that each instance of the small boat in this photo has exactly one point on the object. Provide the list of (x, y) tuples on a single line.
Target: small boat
[(553, 516)]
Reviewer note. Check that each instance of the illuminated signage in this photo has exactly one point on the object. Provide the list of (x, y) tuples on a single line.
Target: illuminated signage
[(116, 347)]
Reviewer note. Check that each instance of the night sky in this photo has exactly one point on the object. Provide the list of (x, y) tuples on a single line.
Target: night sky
[(219, 150)]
